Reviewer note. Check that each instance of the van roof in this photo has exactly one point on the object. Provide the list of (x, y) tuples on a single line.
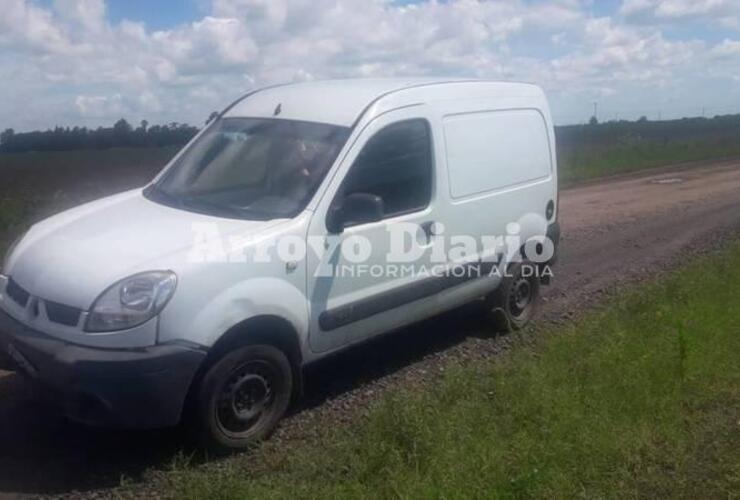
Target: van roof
[(343, 102)]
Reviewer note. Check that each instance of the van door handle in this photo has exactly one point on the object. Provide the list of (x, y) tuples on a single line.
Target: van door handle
[(428, 228)]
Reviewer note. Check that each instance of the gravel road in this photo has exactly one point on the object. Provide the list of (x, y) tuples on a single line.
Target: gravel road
[(615, 232)]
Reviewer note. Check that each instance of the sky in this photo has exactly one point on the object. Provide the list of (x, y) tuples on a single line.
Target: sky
[(91, 62)]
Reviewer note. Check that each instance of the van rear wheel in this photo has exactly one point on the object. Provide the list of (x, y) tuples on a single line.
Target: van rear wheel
[(243, 396), (514, 303)]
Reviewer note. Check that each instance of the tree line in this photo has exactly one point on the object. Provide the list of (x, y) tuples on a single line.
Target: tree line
[(123, 134), (721, 127)]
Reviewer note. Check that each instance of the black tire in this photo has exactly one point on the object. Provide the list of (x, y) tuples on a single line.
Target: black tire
[(515, 301), (242, 397)]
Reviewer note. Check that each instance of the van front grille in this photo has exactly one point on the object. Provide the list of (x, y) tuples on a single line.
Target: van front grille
[(56, 312), (17, 293), (59, 313)]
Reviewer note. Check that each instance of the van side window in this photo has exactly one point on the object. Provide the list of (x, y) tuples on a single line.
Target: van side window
[(395, 164)]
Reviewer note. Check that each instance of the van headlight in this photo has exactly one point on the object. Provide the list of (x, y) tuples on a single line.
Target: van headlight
[(131, 301)]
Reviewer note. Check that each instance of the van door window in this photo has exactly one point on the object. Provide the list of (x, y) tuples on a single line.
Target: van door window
[(396, 165)]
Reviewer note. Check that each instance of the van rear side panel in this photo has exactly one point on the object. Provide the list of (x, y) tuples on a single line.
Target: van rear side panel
[(493, 150), (500, 174)]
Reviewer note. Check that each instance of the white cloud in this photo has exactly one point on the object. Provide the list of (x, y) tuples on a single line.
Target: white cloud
[(84, 70), (24, 26), (89, 15), (728, 48), (724, 12), (99, 105), (678, 8), (211, 44)]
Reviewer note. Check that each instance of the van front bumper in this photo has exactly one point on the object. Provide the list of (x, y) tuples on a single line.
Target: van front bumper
[(131, 389)]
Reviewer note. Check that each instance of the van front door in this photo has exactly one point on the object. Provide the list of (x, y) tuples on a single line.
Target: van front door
[(355, 288)]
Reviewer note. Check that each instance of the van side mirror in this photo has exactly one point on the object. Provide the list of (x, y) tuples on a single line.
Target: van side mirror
[(356, 208)]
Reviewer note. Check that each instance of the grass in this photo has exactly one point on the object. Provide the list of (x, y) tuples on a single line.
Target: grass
[(97, 158), (641, 399), (37, 184), (584, 163), (592, 151), (13, 211)]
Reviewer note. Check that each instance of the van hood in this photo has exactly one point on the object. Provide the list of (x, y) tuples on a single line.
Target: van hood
[(74, 256)]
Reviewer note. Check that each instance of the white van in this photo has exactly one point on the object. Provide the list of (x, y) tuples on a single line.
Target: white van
[(304, 219)]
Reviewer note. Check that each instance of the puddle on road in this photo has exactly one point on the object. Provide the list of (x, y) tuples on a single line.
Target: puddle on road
[(671, 180)]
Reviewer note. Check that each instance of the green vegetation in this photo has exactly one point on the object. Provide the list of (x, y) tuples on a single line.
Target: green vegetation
[(37, 184), (591, 151), (120, 135), (102, 159), (585, 164), (637, 400), (12, 212)]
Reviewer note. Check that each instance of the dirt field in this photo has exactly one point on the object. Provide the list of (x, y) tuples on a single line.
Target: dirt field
[(615, 232)]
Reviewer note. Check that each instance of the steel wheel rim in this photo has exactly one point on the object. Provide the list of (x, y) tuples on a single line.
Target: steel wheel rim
[(245, 398), (520, 296)]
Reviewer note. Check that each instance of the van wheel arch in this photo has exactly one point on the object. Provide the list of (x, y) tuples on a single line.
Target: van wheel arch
[(266, 329), (259, 330)]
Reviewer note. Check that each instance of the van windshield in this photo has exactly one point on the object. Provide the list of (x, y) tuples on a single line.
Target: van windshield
[(251, 168)]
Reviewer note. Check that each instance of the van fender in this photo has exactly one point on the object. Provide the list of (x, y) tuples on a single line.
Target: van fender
[(250, 299)]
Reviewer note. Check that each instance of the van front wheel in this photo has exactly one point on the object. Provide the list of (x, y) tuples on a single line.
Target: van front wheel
[(514, 303), (243, 396)]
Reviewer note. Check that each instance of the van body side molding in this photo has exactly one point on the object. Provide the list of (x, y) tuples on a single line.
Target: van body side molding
[(337, 317)]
